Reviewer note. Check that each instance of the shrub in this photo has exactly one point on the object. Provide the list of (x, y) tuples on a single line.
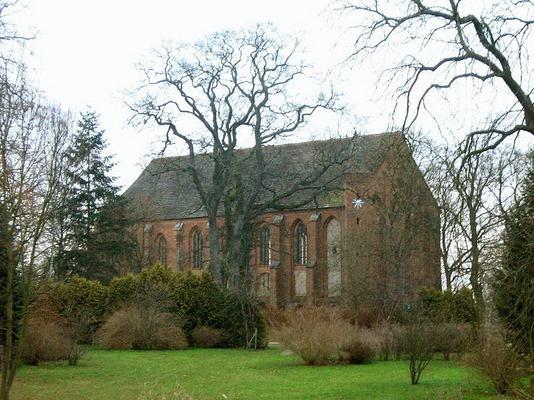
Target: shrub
[(81, 302), (448, 306), (117, 332), (316, 334), (418, 341), (193, 300), (240, 321), (398, 333), (367, 317), (497, 361), (44, 341), (200, 301), (453, 338), (360, 349), (46, 338), (196, 300), (158, 283), (141, 327), (205, 336), (274, 317), (76, 351), (389, 340)]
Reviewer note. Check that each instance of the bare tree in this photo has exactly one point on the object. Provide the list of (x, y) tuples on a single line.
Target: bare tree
[(454, 250), (450, 43), (33, 140), (231, 90), (473, 194)]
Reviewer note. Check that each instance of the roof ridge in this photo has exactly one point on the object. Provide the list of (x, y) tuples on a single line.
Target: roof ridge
[(292, 144)]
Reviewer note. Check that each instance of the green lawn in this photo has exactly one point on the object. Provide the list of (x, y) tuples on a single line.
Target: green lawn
[(237, 374)]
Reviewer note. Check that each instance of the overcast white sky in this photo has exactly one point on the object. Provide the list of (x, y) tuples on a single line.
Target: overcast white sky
[(85, 54)]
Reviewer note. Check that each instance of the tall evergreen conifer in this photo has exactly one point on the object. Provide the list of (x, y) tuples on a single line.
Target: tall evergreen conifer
[(514, 281), (94, 214)]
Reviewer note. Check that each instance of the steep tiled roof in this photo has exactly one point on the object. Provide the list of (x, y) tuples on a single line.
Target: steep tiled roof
[(165, 189)]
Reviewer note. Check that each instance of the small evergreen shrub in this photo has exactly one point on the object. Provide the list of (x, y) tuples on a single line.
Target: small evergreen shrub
[(240, 321), (205, 336), (81, 302), (447, 306), (158, 283)]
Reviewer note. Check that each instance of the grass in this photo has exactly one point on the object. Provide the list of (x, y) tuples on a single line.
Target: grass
[(237, 374)]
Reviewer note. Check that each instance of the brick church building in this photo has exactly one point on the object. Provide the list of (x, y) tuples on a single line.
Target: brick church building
[(380, 231)]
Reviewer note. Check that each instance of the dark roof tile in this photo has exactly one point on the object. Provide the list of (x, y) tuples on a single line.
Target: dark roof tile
[(165, 189)]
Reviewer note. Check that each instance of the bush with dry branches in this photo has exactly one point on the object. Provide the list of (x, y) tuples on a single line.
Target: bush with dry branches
[(142, 327), (498, 362), (321, 336)]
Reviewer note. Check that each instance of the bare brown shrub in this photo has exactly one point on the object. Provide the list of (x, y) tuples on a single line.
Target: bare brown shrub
[(141, 327), (418, 342), (205, 336), (497, 361), (361, 347), (316, 334), (453, 339), (398, 334), (46, 338), (388, 336), (45, 341), (274, 317), (117, 332), (367, 317)]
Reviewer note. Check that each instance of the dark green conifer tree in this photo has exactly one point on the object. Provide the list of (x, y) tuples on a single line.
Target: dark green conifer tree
[(95, 215), (514, 281)]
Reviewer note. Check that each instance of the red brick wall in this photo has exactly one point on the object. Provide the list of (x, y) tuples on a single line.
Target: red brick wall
[(356, 224)]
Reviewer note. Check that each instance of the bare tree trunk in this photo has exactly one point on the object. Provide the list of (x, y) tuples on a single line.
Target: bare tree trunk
[(6, 247), (476, 269), (215, 266)]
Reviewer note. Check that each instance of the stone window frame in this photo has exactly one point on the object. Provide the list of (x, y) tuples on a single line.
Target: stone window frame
[(162, 246), (197, 244), (300, 234), (338, 250), (265, 245)]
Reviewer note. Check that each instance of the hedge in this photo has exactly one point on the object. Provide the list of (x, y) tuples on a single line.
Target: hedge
[(196, 300)]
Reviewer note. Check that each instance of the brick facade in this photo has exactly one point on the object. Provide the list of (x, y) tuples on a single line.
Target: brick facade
[(355, 227)]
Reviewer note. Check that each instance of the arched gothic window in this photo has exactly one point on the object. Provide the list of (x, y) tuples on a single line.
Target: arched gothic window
[(333, 257), (180, 254), (265, 245), (197, 249), (162, 251), (301, 244)]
